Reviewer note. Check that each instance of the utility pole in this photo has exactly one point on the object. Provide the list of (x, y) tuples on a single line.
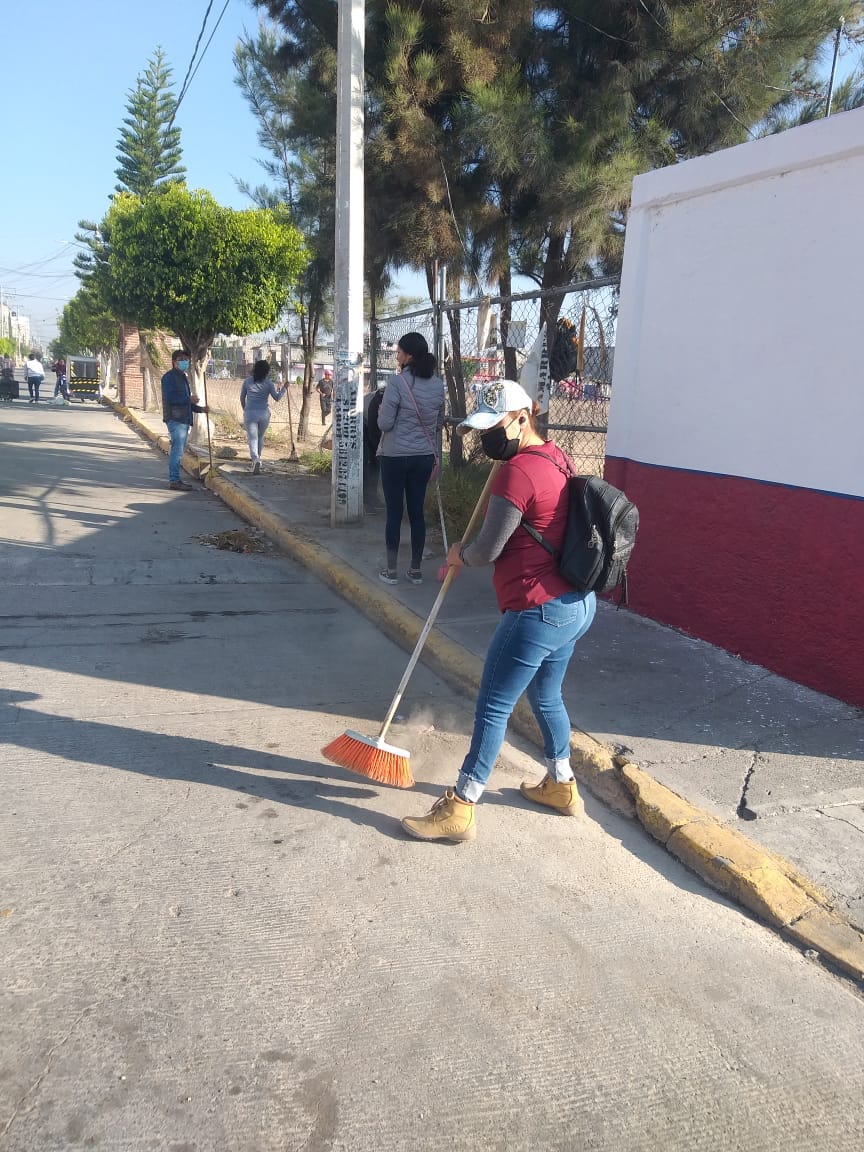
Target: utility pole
[(346, 496), (837, 39)]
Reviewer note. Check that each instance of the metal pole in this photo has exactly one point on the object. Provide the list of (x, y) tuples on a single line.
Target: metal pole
[(837, 38), (346, 496)]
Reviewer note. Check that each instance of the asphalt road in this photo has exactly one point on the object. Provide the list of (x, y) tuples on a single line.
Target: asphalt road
[(210, 939)]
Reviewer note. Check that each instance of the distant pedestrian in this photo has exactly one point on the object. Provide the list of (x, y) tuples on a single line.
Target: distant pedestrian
[(60, 385), (35, 375), (256, 391), (178, 404), (325, 393), (410, 418)]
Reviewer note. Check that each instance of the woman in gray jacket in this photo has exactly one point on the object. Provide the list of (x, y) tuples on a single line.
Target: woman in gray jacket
[(410, 418), (254, 395)]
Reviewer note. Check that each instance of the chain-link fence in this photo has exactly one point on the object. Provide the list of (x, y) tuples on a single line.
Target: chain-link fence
[(490, 338)]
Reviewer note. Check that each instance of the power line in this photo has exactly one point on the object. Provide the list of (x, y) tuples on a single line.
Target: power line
[(34, 275), (207, 45), (190, 74), (35, 296), (185, 83), (23, 268)]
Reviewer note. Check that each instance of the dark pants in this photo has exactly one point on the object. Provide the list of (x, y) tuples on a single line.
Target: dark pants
[(34, 383), (326, 407), (404, 480)]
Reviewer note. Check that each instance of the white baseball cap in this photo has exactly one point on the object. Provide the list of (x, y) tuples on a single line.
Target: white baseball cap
[(495, 400)]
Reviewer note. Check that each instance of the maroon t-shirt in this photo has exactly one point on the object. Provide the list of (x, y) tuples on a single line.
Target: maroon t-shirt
[(525, 573)]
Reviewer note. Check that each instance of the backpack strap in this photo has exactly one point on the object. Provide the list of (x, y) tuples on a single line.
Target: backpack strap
[(568, 472)]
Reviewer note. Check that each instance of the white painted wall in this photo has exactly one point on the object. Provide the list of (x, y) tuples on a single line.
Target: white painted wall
[(739, 346)]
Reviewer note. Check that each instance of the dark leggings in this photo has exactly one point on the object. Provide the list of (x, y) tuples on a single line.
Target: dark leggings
[(404, 480)]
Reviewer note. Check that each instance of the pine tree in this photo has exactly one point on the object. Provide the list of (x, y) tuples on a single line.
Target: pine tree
[(148, 151)]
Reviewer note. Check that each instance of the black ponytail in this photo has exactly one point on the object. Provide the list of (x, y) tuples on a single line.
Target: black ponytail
[(423, 363)]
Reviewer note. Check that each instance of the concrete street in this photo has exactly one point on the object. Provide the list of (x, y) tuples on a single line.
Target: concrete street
[(211, 940)]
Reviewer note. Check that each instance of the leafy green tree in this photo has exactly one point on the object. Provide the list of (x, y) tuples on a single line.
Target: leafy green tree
[(148, 151), (516, 126), (503, 135), (183, 263), (86, 327), (149, 156)]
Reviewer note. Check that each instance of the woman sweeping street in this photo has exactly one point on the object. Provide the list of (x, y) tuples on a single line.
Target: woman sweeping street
[(542, 615), (254, 395), (410, 417)]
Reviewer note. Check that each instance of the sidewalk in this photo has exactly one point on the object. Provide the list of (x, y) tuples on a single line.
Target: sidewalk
[(778, 764)]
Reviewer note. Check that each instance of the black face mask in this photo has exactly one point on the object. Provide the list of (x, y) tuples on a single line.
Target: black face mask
[(497, 444)]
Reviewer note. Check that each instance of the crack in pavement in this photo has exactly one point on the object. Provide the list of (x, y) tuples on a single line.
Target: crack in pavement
[(50, 1059), (710, 702), (840, 820), (742, 811), (794, 809)]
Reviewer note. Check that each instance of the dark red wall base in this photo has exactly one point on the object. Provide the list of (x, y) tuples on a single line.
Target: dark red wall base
[(772, 573)]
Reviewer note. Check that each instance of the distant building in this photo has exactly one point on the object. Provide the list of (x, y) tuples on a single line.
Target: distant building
[(15, 327)]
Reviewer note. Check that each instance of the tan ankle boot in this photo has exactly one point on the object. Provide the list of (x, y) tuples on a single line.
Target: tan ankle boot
[(450, 819), (563, 797)]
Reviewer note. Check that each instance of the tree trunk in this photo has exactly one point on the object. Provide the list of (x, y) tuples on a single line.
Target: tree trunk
[(198, 348), (505, 291), (455, 384), (308, 340)]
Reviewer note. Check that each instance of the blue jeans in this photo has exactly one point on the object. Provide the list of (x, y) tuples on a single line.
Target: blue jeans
[(178, 430), (256, 426), (404, 480), (530, 650)]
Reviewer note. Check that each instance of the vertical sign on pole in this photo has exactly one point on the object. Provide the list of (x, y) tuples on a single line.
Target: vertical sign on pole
[(346, 496)]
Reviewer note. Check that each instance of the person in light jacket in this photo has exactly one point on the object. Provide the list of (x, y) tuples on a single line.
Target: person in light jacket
[(410, 419), (35, 374), (256, 391)]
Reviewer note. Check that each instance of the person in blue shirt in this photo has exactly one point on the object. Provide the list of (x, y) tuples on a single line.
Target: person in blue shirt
[(178, 404), (254, 395)]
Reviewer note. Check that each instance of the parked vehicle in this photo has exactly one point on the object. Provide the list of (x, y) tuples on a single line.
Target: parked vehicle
[(84, 377)]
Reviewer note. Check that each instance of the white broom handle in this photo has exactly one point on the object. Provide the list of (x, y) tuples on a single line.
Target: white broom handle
[(439, 600)]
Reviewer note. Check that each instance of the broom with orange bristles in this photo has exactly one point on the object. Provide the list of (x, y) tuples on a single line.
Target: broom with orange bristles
[(372, 756)]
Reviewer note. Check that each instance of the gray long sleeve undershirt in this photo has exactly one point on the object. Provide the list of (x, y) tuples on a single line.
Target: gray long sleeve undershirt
[(502, 520)]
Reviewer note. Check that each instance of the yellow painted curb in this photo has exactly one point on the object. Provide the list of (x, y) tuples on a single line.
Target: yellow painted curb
[(761, 881), (830, 936)]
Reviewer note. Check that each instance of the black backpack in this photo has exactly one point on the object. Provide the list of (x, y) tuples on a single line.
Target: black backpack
[(564, 353), (600, 533)]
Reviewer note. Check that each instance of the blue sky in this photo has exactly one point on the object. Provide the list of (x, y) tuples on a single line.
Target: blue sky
[(67, 69)]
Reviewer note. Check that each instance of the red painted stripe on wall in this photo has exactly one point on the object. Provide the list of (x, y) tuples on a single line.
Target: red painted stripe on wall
[(772, 573)]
